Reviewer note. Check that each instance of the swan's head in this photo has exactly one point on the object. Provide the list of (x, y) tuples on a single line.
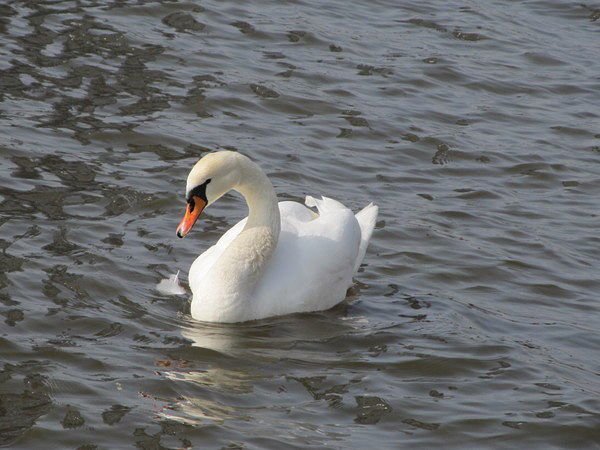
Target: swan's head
[(212, 177)]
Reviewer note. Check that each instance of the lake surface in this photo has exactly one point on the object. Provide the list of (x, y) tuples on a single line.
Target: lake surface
[(475, 126)]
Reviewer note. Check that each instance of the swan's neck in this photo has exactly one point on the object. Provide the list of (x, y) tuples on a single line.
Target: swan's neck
[(226, 292), (257, 190)]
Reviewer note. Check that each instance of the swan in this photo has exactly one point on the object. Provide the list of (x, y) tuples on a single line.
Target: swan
[(281, 259)]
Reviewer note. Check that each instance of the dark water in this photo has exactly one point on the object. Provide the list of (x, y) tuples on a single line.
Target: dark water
[(474, 125)]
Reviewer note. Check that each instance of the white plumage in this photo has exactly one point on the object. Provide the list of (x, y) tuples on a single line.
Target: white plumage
[(283, 258)]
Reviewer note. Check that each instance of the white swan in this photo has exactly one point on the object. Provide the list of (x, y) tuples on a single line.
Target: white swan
[(281, 259)]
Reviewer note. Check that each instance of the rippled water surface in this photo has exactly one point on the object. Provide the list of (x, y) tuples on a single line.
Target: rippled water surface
[(475, 126)]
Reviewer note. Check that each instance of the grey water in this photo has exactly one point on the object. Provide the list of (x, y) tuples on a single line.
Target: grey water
[(475, 126)]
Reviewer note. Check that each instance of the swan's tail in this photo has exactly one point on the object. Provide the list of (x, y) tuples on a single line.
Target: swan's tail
[(366, 218)]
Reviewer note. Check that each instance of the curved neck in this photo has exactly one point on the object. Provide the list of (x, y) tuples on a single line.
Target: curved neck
[(226, 291), (263, 208)]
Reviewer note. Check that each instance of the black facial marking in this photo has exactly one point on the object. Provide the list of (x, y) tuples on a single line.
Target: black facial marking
[(198, 191)]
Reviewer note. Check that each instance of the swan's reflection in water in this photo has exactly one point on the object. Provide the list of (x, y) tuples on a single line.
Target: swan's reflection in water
[(274, 338), (246, 367), (199, 402)]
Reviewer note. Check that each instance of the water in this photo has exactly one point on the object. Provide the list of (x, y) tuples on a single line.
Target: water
[(473, 125)]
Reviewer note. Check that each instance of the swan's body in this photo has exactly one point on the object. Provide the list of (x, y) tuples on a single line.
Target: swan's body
[(283, 258)]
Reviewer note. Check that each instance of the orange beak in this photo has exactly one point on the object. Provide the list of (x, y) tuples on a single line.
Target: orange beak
[(194, 208)]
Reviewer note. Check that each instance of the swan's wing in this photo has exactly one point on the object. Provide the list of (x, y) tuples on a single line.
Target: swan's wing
[(294, 212), (366, 219), (313, 264)]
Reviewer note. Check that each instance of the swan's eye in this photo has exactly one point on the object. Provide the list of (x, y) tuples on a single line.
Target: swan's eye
[(198, 191)]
